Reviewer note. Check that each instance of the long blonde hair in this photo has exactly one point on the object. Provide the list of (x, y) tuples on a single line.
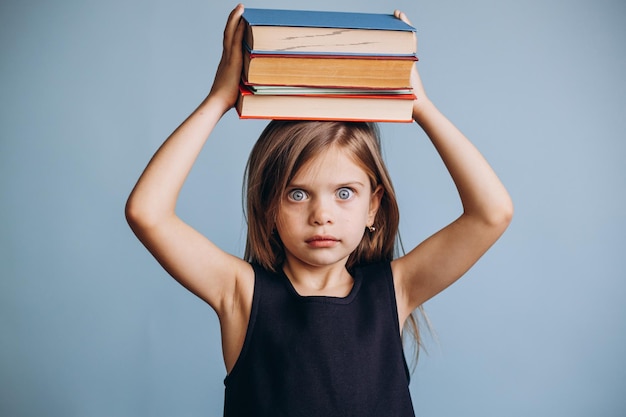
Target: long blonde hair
[(281, 150)]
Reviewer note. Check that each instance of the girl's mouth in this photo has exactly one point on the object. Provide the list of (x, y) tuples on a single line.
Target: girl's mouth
[(322, 241)]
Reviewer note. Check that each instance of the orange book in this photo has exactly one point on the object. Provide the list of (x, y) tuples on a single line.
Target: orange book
[(328, 70)]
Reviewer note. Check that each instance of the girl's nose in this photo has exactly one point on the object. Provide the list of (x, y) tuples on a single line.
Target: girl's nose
[(321, 212)]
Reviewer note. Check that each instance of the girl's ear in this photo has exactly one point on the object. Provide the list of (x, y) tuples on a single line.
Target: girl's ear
[(375, 199)]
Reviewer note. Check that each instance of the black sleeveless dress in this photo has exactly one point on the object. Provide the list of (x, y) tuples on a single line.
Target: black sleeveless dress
[(321, 356)]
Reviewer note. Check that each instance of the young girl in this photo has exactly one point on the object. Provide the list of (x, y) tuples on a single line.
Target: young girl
[(311, 318)]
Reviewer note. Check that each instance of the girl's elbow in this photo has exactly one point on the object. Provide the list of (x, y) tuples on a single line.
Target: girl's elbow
[(132, 213), (502, 215), (136, 215), (145, 216), (494, 216)]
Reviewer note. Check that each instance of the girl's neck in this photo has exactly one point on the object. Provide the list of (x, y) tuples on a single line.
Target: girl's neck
[(331, 281)]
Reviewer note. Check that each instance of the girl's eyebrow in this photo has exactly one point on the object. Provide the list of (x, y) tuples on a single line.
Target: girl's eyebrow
[(351, 184), (337, 185)]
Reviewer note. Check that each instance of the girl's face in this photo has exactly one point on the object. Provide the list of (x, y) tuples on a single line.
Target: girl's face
[(325, 210)]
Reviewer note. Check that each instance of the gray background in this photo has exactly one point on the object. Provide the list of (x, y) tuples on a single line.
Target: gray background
[(90, 325)]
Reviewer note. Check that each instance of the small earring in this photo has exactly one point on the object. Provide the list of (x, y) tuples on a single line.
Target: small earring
[(372, 229)]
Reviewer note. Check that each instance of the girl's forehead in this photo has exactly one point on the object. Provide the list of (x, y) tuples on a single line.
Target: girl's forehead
[(334, 162)]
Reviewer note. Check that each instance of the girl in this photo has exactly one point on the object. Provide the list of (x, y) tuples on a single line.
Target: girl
[(311, 319)]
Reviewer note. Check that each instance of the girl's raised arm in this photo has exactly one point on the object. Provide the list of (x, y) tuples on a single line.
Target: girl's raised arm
[(487, 211), (189, 257)]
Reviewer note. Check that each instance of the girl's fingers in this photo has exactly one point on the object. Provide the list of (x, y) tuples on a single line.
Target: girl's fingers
[(238, 37), (234, 19), (402, 16)]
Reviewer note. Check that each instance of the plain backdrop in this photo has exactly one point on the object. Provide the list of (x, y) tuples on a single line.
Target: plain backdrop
[(90, 325)]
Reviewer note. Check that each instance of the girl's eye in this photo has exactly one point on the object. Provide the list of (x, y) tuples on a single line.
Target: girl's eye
[(344, 193), (296, 195)]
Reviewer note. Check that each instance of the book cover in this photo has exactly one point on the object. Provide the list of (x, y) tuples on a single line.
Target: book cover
[(324, 19)]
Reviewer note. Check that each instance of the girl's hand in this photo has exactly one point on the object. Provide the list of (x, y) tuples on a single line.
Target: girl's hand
[(225, 87), (416, 81)]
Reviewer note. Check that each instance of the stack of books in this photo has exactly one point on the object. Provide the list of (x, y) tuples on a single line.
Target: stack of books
[(314, 65)]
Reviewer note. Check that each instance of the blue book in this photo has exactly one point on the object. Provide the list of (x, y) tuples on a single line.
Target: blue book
[(279, 31)]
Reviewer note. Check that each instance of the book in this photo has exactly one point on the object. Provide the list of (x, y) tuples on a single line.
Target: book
[(327, 32), (326, 66), (328, 70), (289, 89), (311, 105)]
